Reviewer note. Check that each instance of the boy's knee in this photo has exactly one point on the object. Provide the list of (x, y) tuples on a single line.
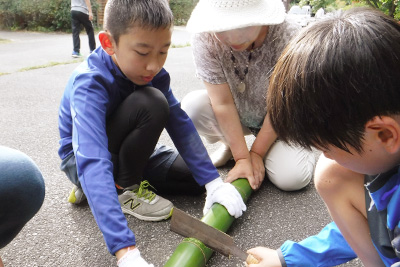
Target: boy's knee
[(152, 100), (19, 170), (36, 188), (23, 187), (329, 176), (29, 187), (156, 96)]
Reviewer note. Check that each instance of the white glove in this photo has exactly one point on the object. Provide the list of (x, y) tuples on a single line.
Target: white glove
[(226, 195), (132, 258)]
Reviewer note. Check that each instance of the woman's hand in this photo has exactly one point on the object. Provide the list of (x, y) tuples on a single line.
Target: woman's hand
[(267, 257), (242, 169), (258, 168)]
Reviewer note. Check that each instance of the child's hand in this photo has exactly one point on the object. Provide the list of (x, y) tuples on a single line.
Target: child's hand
[(266, 256), (132, 258), (225, 194)]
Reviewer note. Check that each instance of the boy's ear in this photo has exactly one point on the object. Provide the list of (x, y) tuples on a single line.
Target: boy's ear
[(387, 131), (105, 41)]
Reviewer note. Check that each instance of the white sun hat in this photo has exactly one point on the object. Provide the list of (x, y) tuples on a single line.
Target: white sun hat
[(224, 15)]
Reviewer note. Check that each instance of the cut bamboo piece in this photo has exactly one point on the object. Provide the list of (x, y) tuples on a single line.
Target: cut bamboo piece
[(192, 252)]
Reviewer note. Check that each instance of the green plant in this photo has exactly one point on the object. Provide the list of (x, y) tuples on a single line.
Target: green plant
[(182, 10), (389, 7), (55, 15), (38, 15)]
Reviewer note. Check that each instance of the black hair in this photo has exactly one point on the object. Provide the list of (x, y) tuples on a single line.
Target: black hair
[(122, 15), (334, 77)]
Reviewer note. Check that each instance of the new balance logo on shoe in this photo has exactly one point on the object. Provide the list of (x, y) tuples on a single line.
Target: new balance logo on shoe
[(133, 204)]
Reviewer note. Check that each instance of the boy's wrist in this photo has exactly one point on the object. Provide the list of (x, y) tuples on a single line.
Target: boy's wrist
[(281, 257), (120, 253)]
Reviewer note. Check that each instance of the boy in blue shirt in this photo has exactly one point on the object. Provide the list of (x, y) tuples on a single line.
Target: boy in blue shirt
[(113, 110), (336, 87)]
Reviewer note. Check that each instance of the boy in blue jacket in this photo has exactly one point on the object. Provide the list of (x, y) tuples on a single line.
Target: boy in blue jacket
[(336, 87), (112, 113)]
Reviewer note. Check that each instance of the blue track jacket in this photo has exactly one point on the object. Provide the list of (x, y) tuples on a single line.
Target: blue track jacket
[(95, 89), (329, 248)]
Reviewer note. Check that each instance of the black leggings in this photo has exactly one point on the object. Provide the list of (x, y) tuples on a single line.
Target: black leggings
[(179, 180), (133, 131)]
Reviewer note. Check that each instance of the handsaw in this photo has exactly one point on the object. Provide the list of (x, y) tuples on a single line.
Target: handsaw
[(188, 226)]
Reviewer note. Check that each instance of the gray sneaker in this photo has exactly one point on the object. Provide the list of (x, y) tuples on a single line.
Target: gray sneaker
[(144, 204), (76, 196)]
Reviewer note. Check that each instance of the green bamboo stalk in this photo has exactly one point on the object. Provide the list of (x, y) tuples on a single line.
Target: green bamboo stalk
[(193, 253)]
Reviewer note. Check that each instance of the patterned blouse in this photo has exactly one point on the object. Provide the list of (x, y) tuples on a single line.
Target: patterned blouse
[(214, 65)]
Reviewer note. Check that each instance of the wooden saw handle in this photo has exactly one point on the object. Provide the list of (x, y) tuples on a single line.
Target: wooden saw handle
[(251, 260)]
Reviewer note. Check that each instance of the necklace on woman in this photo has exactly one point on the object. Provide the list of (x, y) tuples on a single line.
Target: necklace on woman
[(242, 83)]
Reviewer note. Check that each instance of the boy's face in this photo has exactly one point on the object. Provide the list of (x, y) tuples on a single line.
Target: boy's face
[(365, 163), (380, 150), (141, 53)]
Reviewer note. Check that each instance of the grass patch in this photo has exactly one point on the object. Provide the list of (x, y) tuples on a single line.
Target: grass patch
[(4, 73), (4, 41), (51, 64), (180, 45)]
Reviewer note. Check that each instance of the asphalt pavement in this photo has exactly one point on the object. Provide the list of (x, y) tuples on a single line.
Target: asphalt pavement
[(34, 69)]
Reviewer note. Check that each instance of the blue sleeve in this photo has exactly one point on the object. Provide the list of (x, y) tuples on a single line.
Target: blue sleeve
[(184, 135), (328, 248), (88, 109), (393, 218)]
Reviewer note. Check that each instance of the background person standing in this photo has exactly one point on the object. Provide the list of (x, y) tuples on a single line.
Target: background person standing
[(81, 14)]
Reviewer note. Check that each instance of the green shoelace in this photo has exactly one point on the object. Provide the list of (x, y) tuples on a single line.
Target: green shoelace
[(143, 192)]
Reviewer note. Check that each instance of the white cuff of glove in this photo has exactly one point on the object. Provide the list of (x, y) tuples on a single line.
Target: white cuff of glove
[(225, 194), (132, 258), (213, 185)]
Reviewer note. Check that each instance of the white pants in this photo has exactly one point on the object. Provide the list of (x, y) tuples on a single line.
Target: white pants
[(288, 167)]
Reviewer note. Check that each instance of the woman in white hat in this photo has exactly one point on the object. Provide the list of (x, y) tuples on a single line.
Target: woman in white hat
[(236, 45)]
